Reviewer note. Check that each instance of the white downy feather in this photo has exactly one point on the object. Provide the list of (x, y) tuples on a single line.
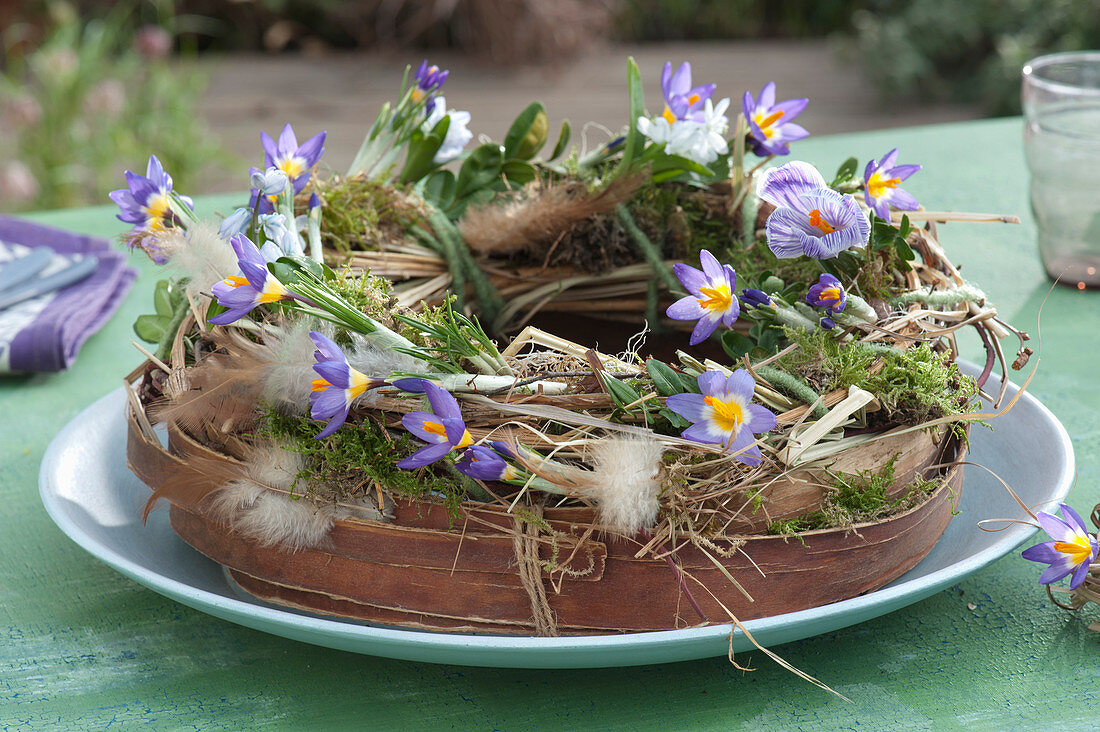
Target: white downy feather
[(625, 482), (289, 373), (200, 255)]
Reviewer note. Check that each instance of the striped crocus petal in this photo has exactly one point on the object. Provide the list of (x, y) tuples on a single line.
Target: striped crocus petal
[(881, 180), (1072, 550), (711, 298), (682, 100), (723, 414), (810, 219)]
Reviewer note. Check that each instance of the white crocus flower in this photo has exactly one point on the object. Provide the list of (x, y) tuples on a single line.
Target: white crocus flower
[(701, 142)]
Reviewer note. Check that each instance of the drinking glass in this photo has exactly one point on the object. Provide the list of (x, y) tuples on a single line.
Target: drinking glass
[(1061, 100)]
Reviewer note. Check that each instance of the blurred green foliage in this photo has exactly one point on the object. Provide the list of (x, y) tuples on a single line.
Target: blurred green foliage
[(967, 50), (83, 99), (668, 20)]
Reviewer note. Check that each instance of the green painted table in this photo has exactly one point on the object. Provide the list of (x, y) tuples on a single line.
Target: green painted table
[(85, 647)]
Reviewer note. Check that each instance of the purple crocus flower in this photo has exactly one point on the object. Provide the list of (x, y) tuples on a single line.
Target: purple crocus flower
[(828, 293), (145, 202), (337, 385), (429, 79), (810, 218), (254, 286), (754, 298), (770, 125), (443, 431), (1072, 550), (723, 414), (482, 463), (881, 181), (711, 299), (682, 100), (293, 159)]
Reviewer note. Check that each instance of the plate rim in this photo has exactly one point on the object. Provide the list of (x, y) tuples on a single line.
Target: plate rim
[(507, 651)]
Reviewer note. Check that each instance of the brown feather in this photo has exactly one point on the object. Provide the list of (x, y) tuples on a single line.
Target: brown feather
[(222, 390), (538, 214)]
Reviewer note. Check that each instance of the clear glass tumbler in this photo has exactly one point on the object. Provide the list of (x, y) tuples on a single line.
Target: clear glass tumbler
[(1061, 100)]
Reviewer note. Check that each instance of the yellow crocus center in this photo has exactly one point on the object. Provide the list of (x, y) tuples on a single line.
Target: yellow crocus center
[(822, 225), (716, 299), (157, 211), (292, 166), (830, 294), (319, 384), (417, 94), (766, 124), (668, 115), (878, 183), (466, 440), (1079, 549), (727, 415), (360, 382), (273, 291), (235, 281)]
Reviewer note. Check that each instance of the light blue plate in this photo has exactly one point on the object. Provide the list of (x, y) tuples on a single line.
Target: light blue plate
[(97, 501)]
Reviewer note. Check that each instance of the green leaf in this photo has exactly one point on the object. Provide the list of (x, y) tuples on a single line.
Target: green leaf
[(905, 253), (690, 383), (664, 378), (527, 134), (151, 328), (635, 141), (422, 150), (481, 168), (771, 339), (845, 172), (563, 140), (439, 188), (673, 418), (736, 344), (664, 163), (163, 299), (621, 392), (905, 228), (519, 172)]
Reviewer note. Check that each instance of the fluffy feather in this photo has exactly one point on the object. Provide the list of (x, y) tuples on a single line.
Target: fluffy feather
[(271, 518), (625, 482), (200, 255), (538, 215), (288, 365), (222, 390)]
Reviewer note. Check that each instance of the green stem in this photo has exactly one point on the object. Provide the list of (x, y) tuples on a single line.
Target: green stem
[(651, 253)]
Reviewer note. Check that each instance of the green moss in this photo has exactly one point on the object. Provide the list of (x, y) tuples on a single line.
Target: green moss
[(358, 457), (857, 498), (913, 386), (358, 213)]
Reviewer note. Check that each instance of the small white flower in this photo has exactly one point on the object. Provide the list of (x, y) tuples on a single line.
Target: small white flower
[(235, 223), (270, 182), (457, 133), (281, 241), (701, 142)]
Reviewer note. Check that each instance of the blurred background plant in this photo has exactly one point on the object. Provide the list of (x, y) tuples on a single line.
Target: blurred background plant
[(83, 97), (966, 50)]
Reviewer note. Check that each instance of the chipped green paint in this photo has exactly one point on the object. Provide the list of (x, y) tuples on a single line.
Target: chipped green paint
[(83, 647)]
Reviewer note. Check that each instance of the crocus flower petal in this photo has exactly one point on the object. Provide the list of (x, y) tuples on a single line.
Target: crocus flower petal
[(703, 330), (326, 347), (425, 456), (740, 382), (1073, 519), (334, 424), (901, 172), (744, 448), (288, 142), (412, 385), (791, 108), (312, 149), (712, 382), (691, 278), (337, 373), (443, 404), (1058, 529), (712, 268), (426, 426), (271, 150), (767, 96), (686, 308), (688, 406), (786, 231), (1079, 575), (761, 419), (783, 186)]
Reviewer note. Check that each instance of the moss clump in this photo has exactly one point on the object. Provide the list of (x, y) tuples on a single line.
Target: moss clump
[(857, 498), (360, 457), (913, 386), (359, 213)]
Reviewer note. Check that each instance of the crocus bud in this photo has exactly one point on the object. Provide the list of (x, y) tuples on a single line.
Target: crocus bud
[(234, 224)]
